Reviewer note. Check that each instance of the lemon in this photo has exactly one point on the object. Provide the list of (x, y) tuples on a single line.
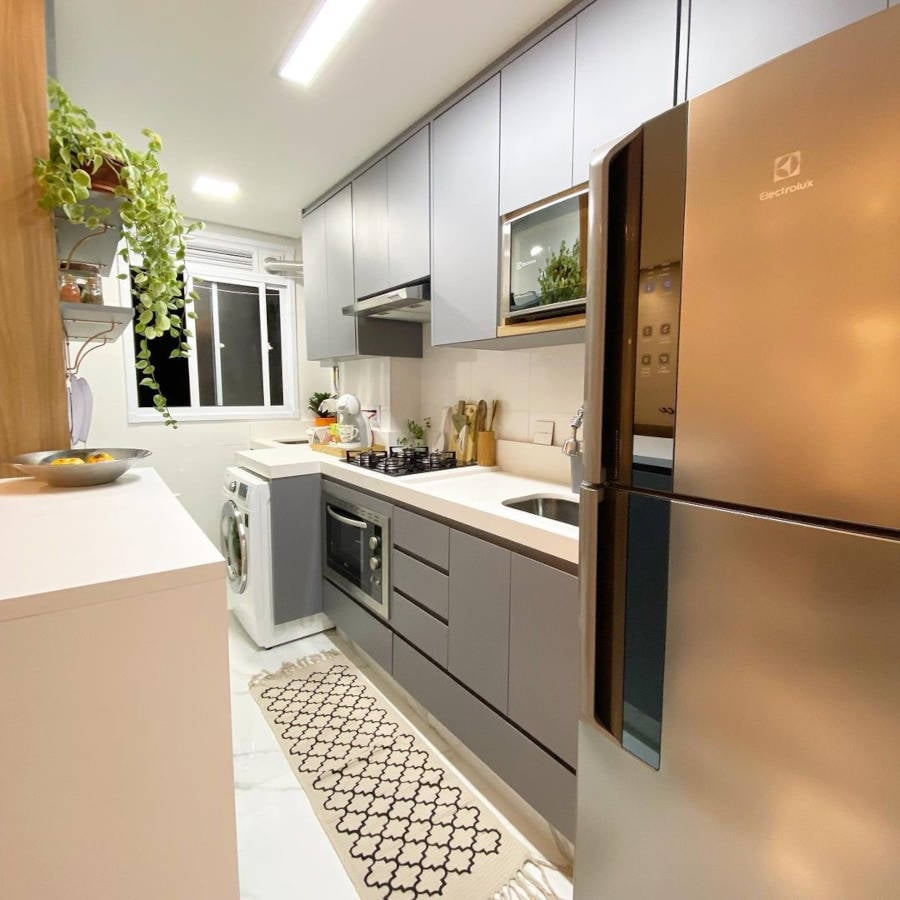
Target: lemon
[(68, 461), (100, 456)]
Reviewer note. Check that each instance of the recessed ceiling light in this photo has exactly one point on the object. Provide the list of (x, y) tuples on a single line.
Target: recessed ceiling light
[(332, 20), (215, 187)]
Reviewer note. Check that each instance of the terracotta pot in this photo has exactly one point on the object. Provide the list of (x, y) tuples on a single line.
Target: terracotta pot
[(320, 421), (106, 178)]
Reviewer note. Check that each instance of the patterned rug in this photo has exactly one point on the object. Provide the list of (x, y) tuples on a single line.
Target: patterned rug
[(403, 825)]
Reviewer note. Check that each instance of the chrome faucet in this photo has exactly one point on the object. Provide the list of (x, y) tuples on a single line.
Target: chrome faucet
[(572, 446)]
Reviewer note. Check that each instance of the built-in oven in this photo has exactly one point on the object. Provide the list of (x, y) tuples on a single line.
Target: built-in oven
[(356, 545)]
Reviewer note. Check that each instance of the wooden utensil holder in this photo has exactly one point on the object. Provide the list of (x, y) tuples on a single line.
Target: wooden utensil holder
[(486, 452)]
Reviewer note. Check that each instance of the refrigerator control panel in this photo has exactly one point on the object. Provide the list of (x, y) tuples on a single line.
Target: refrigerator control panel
[(656, 360)]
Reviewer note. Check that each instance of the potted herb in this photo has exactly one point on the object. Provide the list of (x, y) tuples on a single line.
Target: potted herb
[(82, 165), (560, 279), (415, 433), (318, 404)]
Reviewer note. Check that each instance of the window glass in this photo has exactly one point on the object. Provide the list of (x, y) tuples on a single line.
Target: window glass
[(273, 324)]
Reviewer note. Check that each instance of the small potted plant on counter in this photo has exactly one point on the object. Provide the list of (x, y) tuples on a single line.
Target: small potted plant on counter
[(83, 168), (322, 406)]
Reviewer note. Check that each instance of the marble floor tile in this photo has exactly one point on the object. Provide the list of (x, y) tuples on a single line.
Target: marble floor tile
[(283, 852)]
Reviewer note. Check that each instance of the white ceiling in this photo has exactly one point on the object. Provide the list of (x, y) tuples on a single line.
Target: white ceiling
[(202, 74)]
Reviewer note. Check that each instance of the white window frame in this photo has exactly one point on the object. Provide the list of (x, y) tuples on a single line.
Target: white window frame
[(289, 361)]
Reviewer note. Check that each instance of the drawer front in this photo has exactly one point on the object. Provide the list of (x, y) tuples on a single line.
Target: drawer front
[(422, 537), (535, 775), (543, 655), (425, 585), (359, 625), (420, 628)]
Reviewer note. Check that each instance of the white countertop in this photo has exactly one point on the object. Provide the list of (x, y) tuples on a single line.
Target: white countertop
[(471, 496), (74, 540)]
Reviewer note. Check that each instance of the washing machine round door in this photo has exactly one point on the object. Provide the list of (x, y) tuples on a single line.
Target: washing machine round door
[(233, 541)]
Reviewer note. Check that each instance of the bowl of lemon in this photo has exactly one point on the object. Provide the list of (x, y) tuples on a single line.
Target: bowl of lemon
[(78, 468)]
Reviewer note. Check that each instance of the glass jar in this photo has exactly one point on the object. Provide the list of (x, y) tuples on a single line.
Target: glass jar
[(92, 292), (68, 289)]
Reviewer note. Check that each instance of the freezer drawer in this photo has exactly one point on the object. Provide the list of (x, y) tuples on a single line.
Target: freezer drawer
[(780, 723)]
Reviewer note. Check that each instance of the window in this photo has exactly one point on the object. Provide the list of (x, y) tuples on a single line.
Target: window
[(243, 350)]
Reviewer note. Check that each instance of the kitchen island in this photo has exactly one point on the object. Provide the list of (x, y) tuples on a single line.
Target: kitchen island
[(115, 766)]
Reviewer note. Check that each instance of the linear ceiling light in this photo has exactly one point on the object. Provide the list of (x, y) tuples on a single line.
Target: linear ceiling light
[(215, 187), (323, 33)]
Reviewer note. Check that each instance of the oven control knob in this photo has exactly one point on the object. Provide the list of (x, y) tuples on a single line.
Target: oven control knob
[(374, 542), (232, 486), (374, 562)]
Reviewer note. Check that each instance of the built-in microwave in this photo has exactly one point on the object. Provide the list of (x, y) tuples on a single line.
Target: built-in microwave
[(543, 262), (356, 545)]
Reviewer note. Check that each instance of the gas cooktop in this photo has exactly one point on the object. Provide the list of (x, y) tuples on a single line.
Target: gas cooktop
[(402, 460)]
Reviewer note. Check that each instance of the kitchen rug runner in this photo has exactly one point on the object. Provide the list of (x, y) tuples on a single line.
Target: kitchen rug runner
[(403, 825)]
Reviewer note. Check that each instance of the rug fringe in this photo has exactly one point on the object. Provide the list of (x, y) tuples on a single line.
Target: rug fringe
[(530, 882), (292, 667)]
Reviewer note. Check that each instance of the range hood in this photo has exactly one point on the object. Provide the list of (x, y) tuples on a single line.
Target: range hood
[(406, 304)]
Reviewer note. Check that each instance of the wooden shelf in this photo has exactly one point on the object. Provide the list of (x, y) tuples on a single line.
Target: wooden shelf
[(93, 322), (542, 326)]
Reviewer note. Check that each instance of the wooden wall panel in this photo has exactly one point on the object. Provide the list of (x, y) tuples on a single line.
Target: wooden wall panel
[(33, 405)]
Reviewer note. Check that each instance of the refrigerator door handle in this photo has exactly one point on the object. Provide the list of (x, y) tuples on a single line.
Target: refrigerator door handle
[(595, 326)]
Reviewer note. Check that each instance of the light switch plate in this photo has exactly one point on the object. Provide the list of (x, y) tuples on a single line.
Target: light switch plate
[(543, 432)]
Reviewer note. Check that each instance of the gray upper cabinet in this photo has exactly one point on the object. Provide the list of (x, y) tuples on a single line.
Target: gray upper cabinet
[(728, 39), (408, 183), (328, 278), (536, 113), (370, 230), (339, 254), (478, 650), (544, 654), (315, 284), (465, 173), (624, 71)]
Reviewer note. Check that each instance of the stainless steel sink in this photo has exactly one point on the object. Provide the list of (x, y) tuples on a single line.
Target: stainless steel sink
[(548, 507)]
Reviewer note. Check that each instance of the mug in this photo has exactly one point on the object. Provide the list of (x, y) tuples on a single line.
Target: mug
[(348, 433)]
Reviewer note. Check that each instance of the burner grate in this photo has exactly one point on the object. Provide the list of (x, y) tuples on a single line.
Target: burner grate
[(402, 460)]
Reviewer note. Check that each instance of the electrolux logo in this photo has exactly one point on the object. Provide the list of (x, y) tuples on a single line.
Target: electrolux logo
[(785, 167)]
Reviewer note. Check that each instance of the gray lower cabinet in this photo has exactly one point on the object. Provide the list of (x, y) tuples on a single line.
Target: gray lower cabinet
[(421, 537), (478, 652), (536, 98), (465, 233), (542, 781), (624, 71), (544, 654), (420, 628), (426, 586), (296, 547), (364, 629), (728, 39)]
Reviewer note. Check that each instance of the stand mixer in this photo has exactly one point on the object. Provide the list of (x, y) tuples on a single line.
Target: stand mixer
[(350, 414)]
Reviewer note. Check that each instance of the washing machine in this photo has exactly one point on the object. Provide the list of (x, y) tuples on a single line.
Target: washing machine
[(274, 589)]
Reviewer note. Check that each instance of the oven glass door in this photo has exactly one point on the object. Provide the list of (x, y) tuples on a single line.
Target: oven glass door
[(353, 554)]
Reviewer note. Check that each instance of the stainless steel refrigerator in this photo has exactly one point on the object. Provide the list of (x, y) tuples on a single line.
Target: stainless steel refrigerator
[(740, 511)]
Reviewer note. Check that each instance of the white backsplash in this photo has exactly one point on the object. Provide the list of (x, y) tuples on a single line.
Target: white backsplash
[(532, 385)]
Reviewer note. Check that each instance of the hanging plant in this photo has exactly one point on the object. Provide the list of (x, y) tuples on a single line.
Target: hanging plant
[(81, 158)]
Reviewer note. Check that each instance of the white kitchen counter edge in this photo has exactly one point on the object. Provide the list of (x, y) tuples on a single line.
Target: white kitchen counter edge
[(70, 547), (479, 509)]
